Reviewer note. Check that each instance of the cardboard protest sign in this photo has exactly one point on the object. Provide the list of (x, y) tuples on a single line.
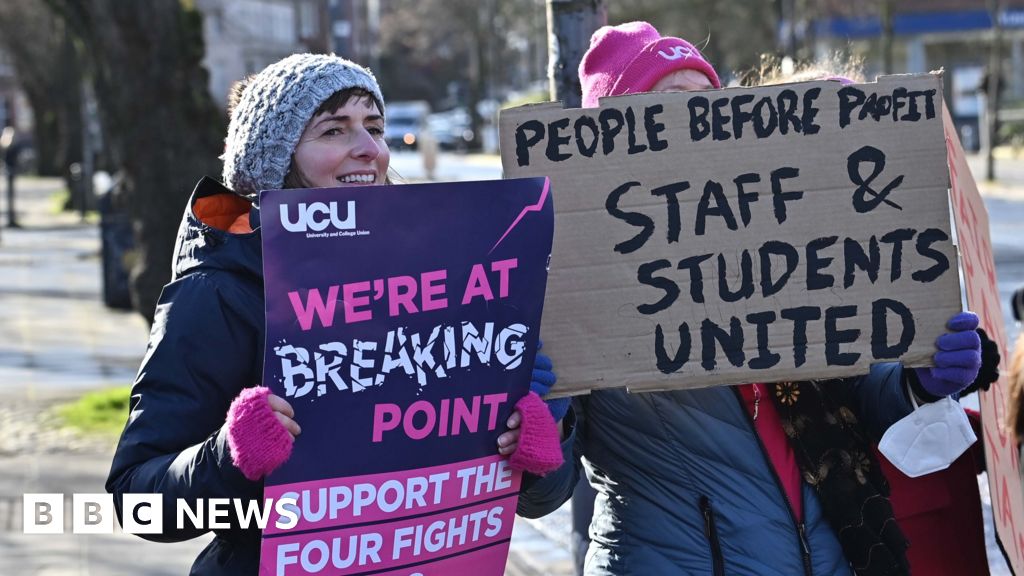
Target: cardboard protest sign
[(983, 298), (741, 235), (402, 325)]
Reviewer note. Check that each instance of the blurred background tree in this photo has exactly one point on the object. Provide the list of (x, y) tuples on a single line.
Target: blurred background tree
[(49, 70), (730, 33), (465, 51), (161, 125), (461, 51)]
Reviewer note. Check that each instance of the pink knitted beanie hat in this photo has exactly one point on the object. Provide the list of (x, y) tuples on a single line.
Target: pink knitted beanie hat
[(632, 57)]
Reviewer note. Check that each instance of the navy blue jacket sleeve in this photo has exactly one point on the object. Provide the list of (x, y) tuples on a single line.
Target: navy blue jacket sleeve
[(201, 353), (542, 495), (880, 398)]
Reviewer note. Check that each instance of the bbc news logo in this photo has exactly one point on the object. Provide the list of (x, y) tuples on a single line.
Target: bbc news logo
[(144, 513)]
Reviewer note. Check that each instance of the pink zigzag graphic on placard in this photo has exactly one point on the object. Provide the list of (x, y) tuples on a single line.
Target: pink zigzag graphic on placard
[(531, 208)]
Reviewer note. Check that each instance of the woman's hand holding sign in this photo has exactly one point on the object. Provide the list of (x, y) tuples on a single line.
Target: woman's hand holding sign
[(284, 413), (957, 360), (260, 430)]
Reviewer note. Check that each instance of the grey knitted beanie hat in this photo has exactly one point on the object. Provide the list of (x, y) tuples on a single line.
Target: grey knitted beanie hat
[(273, 112)]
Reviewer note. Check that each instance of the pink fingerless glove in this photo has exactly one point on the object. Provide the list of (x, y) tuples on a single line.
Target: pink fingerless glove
[(539, 450), (258, 441)]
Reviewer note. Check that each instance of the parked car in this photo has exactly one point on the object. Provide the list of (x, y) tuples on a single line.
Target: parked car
[(452, 128), (405, 122)]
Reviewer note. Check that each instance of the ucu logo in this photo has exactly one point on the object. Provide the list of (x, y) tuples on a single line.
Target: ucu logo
[(677, 52), (317, 216)]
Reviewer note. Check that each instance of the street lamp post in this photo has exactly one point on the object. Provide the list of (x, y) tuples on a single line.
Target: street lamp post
[(12, 149), (12, 221), (995, 65), (570, 25)]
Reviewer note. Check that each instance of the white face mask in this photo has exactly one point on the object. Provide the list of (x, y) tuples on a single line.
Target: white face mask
[(929, 439)]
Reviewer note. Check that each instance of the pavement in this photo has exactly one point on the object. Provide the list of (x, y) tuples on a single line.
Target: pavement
[(57, 341)]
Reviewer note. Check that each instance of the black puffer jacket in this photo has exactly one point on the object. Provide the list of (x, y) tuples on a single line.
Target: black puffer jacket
[(205, 346)]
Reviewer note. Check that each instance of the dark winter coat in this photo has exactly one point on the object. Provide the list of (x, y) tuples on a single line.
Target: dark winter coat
[(685, 487), (205, 346)]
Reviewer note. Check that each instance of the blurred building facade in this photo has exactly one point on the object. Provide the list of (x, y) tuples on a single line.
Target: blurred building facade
[(953, 35), (244, 36)]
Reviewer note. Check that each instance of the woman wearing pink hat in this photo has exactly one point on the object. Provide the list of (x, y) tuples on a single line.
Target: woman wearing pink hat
[(758, 479)]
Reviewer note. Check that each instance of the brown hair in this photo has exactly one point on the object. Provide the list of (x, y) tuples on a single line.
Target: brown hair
[(294, 178), (235, 93)]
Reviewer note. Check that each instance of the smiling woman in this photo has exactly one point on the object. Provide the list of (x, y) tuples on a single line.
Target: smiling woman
[(342, 145)]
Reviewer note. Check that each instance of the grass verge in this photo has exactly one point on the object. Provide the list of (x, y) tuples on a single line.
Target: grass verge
[(102, 412)]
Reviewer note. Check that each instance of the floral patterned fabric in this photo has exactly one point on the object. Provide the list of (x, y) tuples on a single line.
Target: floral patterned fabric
[(835, 458)]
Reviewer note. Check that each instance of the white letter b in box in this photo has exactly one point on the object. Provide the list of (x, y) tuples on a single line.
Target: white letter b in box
[(43, 513), (93, 513)]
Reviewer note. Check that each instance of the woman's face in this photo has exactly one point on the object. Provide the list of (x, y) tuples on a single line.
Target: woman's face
[(683, 81), (345, 147)]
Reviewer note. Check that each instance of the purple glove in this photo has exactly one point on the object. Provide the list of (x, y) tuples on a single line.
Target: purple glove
[(957, 360), (541, 382)]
